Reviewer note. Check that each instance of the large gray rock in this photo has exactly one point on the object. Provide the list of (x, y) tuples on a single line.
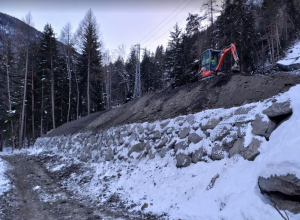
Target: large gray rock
[(140, 129), (163, 152), (242, 110), (137, 148), (109, 154), (278, 109), (283, 191), (162, 143), (184, 133), (190, 119), (218, 153), (198, 155), (262, 128), (194, 138), (211, 124), (172, 144), (249, 153), (155, 135), (181, 145), (183, 160), (163, 125), (223, 133)]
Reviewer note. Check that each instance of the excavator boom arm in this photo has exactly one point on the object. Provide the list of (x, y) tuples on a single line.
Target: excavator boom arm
[(235, 55)]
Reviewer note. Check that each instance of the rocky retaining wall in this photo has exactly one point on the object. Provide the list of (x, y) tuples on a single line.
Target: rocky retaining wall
[(206, 136)]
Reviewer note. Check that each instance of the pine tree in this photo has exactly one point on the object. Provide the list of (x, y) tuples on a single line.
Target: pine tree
[(88, 35), (174, 58)]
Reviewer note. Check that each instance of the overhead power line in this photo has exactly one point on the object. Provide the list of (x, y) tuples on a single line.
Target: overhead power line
[(171, 28), (168, 22), (163, 20)]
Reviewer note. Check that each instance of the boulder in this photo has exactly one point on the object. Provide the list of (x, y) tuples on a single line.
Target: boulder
[(183, 160), (172, 144), (194, 138), (184, 133), (243, 110), (278, 109), (163, 152), (249, 153), (197, 155), (218, 153), (190, 119), (262, 128), (151, 154), (162, 143), (137, 148), (211, 124), (181, 145), (109, 154), (223, 133), (155, 135), (284, 191), (163, 125), (140, 129)]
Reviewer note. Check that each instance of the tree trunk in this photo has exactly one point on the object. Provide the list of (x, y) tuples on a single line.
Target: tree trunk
[(77, 101), (70, 81), (32, 106), (278, 42), (42, 106), (23, 105), (13, 135), (88, 86), (1, 143), (52, 94)]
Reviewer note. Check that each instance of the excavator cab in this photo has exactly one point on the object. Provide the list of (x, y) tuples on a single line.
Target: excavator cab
[(210, 59)]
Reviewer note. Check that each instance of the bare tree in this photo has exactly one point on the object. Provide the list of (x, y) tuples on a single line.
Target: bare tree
[(107, 69), (66, 38), (28, 20)]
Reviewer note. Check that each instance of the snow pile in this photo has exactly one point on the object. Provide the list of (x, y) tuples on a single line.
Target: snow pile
[(292, 57), (156, 186), (4, 181)]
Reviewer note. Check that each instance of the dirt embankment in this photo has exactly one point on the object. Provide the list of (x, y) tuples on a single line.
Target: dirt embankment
[(223, 91)]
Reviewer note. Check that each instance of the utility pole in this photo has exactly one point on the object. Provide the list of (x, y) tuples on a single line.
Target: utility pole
[(137, 84)]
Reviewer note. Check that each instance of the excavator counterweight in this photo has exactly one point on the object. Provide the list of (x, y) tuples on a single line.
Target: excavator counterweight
[(212, 60)]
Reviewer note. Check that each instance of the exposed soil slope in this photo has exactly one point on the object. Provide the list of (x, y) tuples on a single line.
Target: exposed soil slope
[(223, 91)]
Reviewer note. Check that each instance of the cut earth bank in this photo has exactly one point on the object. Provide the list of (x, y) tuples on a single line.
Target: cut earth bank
[(164, 166)]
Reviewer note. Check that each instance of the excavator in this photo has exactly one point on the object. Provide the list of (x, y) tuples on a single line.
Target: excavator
[(212, 61)]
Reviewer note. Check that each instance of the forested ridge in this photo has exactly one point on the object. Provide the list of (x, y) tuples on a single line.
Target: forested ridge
[(47, 80)]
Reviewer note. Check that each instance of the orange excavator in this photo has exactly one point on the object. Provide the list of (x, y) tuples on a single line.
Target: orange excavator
[(212, 60)]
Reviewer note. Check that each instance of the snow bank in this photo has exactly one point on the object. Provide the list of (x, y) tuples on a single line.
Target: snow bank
[(156, 186), (292, 57), (4, 181)]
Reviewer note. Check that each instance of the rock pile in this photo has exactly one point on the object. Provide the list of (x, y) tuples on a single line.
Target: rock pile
[(205, 136)]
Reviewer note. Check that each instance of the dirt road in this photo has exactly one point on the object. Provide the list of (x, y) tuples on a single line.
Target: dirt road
[(36, 195)]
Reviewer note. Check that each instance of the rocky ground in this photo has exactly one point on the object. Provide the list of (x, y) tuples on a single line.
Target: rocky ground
[(223, 91), (39, 194)]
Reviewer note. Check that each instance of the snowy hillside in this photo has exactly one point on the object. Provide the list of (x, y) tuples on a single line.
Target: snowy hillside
[(155, 185)]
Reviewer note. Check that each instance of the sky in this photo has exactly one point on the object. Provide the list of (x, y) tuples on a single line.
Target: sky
[(125, 22)]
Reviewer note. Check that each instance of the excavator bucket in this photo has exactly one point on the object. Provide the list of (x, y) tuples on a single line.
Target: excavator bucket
[(236, 67)]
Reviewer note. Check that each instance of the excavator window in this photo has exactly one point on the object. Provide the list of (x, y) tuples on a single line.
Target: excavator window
[(205, 58)]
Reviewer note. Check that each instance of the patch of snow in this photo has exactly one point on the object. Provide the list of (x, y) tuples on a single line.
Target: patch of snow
[(292, 56), (5, 183)]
